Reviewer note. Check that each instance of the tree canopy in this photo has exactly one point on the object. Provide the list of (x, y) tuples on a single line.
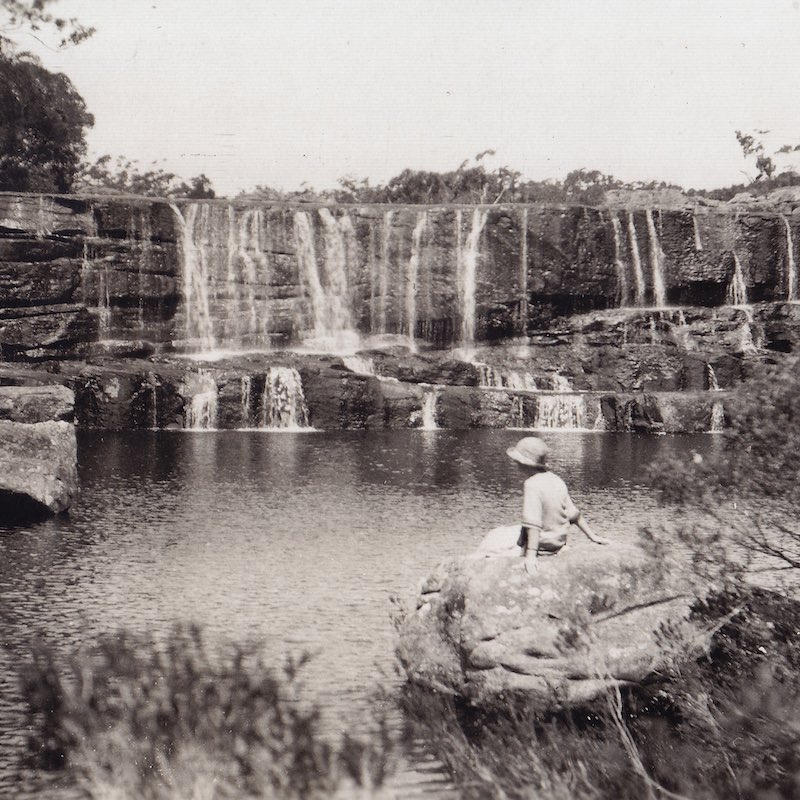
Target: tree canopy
[(42, 126), (17, 16)]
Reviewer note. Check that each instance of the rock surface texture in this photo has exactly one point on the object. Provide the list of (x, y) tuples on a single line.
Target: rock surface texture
[(632, 316), (38, 451), (585, 620)]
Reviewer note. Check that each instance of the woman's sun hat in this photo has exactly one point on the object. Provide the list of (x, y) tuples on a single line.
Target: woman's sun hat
[(530, 451)]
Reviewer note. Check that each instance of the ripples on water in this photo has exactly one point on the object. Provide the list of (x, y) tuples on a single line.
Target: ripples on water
[(296, 539)]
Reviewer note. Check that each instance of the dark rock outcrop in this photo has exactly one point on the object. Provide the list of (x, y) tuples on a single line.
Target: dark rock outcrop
[(585, 620), (38, 451)]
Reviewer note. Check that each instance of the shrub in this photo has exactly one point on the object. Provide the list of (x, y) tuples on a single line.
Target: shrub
[(131, 718)]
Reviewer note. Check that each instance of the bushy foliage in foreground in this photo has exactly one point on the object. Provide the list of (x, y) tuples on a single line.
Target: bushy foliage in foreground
[(726, 726), (131, 718)]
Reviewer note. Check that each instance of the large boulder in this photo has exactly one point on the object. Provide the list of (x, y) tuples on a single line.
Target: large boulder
[(38, 467), (36, 403), (586, 620)]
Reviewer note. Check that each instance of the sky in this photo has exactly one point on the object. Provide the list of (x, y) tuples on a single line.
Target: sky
[(286, 92)]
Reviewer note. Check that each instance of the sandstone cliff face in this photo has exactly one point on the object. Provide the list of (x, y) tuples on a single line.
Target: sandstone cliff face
[(466, 316), (78, 272)]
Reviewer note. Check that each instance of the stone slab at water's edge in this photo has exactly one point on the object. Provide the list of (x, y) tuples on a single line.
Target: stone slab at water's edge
[(38, 451), (586, 620)]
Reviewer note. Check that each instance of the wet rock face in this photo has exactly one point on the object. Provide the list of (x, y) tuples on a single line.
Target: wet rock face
[(584, 621), (74, 271)]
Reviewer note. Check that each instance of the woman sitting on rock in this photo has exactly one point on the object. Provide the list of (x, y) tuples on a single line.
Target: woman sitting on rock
[(547, 509)]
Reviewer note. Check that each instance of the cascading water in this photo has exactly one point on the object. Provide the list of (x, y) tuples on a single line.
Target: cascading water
[(247, 400), (468, 266), (201, 412), (656, 262), (428, 411), (225, 275), (383, 274), (199, 327), (622, 273), (560, 411), (791, 266), (490, 377), (283, 405), (412, 274), (560, 383), (717, 424), (737, 289), (711, 378), (698, 242), (361, 365), (638, 273)]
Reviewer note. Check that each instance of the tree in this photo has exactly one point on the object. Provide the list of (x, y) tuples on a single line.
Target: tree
[(42, 124), (124, 176), (34, 15)]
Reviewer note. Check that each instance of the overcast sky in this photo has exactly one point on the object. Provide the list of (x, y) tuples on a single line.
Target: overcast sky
[(281, 92)]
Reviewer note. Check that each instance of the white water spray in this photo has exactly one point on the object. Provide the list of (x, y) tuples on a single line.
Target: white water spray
[(791, 266), (284, 404), (638, 273), (468, 260), (201, 413), (622, 273), (656, 262), (412, 274)]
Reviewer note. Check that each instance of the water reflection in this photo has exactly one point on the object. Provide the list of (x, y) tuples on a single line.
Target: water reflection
[(296, 539)]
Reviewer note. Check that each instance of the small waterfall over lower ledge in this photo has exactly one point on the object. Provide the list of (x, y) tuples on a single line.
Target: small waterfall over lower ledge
[(283, 405), (560, 411), (200, 414)]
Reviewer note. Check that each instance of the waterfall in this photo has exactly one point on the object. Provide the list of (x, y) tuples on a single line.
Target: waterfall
[(737, 289), (698, 242), (493, 378), (621, 271), (284, 404), (600, 422), (247, 400), (638, 273), (361, 365), (383, 277), (339, 238), (656, 262), (413, 273), (225, 272), (748, 343), (791, 268), (468, 261), (560, 411), (428, 411), (201, 413), (196, 226), (560, 383), (330, 306), (711, 377), (717, 424)]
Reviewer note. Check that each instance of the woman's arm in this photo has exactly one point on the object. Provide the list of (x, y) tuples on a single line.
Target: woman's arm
[(581, 523), (530, 548)]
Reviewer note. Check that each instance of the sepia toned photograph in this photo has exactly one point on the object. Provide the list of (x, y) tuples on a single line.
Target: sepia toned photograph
[(399, 400)]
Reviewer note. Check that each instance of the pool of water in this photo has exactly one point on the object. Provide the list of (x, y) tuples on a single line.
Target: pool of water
[(298, 539)]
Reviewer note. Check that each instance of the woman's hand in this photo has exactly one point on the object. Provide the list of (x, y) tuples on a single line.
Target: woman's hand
[(531, 564), (600, 539)]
